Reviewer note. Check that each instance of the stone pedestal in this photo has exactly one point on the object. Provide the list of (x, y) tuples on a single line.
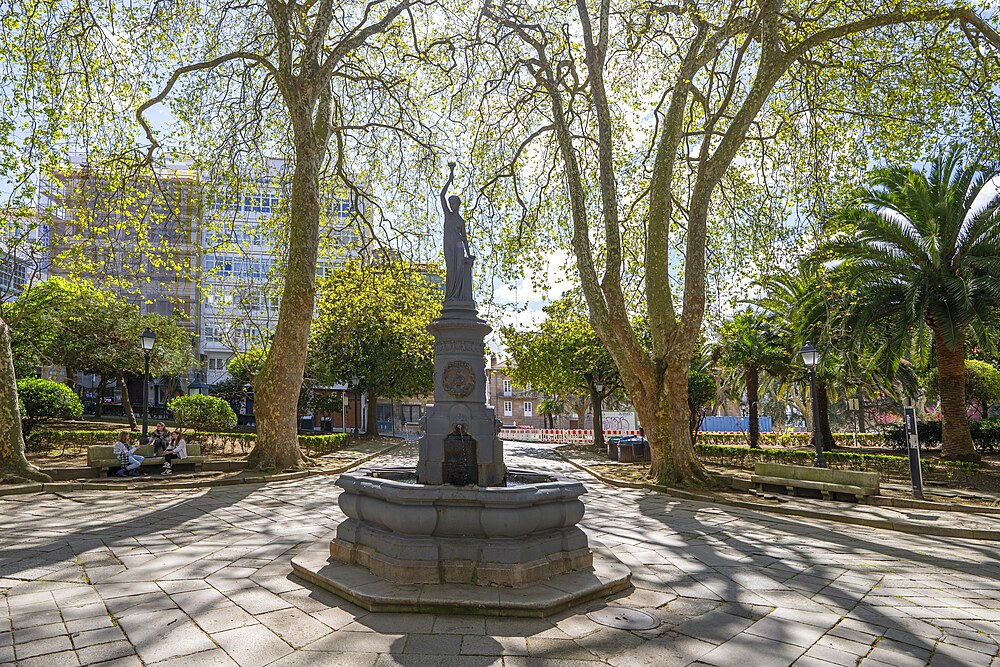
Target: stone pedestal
[(459, 409)]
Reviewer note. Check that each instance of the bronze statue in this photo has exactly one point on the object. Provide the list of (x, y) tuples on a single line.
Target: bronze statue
[(458, 258)]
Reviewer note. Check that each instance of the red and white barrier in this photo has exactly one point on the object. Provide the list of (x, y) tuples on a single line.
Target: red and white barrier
[(573, 436)]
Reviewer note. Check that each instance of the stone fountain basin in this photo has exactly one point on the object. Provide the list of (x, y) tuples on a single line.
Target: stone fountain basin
[(532, 503)]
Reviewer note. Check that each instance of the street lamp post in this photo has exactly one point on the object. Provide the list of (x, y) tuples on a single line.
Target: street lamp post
[(599, 421), (148, 339), (357, 401), (810, 355)]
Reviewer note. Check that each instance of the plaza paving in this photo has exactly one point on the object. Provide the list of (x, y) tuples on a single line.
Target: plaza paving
[(203, 578)]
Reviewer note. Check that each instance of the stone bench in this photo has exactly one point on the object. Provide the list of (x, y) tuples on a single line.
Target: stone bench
[(103, 457), (806, 481)]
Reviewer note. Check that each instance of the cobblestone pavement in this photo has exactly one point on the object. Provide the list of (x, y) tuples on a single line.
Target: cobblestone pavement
[(202, 578)]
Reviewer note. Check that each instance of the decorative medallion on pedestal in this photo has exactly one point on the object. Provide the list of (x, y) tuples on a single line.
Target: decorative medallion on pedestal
[(459, 379)]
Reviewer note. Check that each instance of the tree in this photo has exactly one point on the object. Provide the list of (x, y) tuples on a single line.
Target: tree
[(333, 74), (202, 413), (750, 343), (982, 386), (372, 323), (76, 325), (701, 392), (921, 256), (564, 356), (638, 113), (551, 408), (44, 400)]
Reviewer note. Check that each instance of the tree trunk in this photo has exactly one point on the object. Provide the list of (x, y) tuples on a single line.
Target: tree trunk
[(371, 428), (127, 403), (805, 409), (277, 386), (595, 401), (99, 399), (666, 420), (956, 439), (13, 464), (752, 377), (861, 412), (824, 430)]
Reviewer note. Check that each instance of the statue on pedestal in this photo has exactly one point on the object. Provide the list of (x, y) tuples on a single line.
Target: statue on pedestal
[(458, 258)]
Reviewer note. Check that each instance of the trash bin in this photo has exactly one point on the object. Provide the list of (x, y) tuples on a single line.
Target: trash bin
[(626, 453)]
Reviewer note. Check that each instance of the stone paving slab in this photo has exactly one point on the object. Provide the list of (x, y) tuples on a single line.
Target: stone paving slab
[(203, 577)]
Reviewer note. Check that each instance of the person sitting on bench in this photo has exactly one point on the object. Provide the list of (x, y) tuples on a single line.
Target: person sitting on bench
[(176, 449), (130, 461), (159, 438)]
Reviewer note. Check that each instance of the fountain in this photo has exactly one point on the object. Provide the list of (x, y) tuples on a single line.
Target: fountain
[(461, 532)]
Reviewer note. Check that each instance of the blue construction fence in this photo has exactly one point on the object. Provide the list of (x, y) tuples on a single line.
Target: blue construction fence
[(732, 424)]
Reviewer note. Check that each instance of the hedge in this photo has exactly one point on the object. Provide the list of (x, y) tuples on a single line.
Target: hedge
[(790, 439), (985, 434), (43, 439), (884, 464)]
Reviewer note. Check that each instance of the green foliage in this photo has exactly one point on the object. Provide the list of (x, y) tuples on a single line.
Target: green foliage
[(44, 400), (701, 393), (792, 439), (887, 466), (982, 384), (751, 340), (201, 412), (372, 323), (245, 365), (985, 435), (563, 355), (74, 324), (916, 252), (323, 444)]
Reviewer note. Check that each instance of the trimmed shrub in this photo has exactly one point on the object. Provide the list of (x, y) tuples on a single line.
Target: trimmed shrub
[(42, 400), (202, 412), (323, 444), (886, 465), (790, 439), (985, 435)]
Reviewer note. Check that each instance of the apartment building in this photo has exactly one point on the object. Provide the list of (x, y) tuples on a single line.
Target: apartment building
[(138, 235), (178, 241), (515, 406)]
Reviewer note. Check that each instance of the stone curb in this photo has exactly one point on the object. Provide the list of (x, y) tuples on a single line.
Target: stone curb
[(62, 487), (886, 524)]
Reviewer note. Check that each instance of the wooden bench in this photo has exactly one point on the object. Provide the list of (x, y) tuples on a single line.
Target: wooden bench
[(812, 482), (103, 456)]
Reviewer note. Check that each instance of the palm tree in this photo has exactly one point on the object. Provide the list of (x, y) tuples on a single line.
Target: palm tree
[(922, 252), (749, 344)]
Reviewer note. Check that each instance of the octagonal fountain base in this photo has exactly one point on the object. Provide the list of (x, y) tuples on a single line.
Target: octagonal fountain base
[(506, 550)]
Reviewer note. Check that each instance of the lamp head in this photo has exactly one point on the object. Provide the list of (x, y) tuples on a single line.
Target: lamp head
[(810, 355), (148, 339)]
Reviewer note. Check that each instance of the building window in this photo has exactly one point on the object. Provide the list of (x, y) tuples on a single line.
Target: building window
[(506, 387), (527, 409), (218, 363), (412, 413), (508, 409)]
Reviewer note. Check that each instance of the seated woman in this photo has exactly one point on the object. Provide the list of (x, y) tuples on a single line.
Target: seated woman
[(176, 449), (130, 461)]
